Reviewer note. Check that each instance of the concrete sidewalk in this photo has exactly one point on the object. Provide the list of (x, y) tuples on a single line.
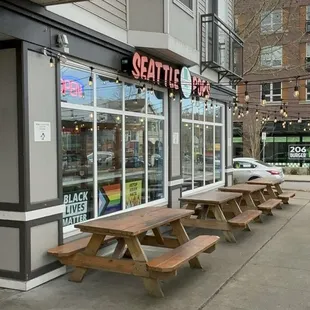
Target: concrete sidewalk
[(267, 269)]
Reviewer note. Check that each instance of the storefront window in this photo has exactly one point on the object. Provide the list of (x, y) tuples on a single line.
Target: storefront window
[(77, 165), (113, 144), (202, 144)]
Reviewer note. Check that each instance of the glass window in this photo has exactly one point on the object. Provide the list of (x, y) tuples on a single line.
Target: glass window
[(109, 93), (155, 159), (198, 156), (209, 157), (187, 109), (308, 90), (271, 56), (308, 12), (109, 162), (188, 3), (77, 166), (271, 21), (187, 155), (135, 160), (74, 86), (209, 111), (218, 159), (155, 102), (199, 107), (135, 98), (273, 91)]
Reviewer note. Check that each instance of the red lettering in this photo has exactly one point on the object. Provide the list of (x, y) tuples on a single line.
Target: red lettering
[(63, 91), (143, 69), (158, 66), (74, 89), (176, 78), (171, 84), (194, 82), (151, 71), (166, 69), (136, 63)]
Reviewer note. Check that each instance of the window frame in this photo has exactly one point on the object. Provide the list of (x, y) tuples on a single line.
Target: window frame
[(266, 14), (185, 8), (205, 123), (307, 13), (70, 230), (271, 94), (272, 51), (307, 90)]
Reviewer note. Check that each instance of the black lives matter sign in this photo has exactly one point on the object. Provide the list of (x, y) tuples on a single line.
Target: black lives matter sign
[(75, 207)]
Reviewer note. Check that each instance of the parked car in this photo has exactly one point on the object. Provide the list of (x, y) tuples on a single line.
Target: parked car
[(246, 169)]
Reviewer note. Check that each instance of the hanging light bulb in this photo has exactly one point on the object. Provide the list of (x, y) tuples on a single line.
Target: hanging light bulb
[(281, 109), (117, 80), (275, 118), (305, 129), (299, 120), (90, 80), (239, 114), (211, 105), (143, 87), (229, 107), (290, 123), (52, 62), (296, 89), (234, 113), (193, 99), (246, 93), (256, 112), (171, 93), (139, 91), (242, 114), (173, 97), (256, 118), (263, 99), (268, 117), (152, 91), (247, 110)]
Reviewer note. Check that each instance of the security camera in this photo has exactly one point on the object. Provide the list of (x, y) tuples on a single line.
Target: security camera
[(62, 40)]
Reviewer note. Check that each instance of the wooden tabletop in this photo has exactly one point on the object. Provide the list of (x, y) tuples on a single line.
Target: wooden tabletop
[(243, 188), (210, 197), (134, 222), (265, 181)]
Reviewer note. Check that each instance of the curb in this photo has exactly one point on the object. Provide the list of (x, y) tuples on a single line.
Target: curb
[(301, 181)]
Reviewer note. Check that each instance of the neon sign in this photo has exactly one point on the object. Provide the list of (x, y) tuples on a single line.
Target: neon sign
[(71, 88)]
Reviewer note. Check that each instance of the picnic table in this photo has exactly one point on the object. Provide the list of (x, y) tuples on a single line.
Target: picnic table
[(215, 202), (270, 185), (130, 230), (250, 194)]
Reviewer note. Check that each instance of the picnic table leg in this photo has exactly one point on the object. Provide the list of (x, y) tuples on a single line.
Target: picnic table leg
[(120, 249), (219, 215), (278, 188), (92, 248), (271, 192), (181, 235), (137, 253), (251, 205)]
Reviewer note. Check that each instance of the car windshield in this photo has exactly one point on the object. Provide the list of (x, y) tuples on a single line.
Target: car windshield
[(262, 163)]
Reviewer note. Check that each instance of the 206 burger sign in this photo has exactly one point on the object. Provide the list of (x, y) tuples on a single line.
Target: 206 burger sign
[(149, 69)]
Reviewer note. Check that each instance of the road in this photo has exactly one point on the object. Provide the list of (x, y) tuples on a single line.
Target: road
[(297, 186)]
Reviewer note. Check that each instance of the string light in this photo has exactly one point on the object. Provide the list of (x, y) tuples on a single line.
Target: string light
[(171, 93), (173, 97), (239, 114), (256, 112), (296, 89), (193, 99), (299, 120), (152, 92), (117, 80), (52, 62), (246, 93), (90, 80), (268, 117), (290, 123), (263, 99), (143, 87), (256, 118), (139, 91), (275, 118), (211, 105)]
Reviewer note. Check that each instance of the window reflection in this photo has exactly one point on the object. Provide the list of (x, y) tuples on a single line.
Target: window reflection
[(209, 159), (198, 156), (187, 155), (109, 159), (218, 153), (74, 86), (218, 111), (155, 102), (187, 109), (134, 98), (155, 159), (135, 160), (198, 108), (77, 165), (109, 93), (209, 111)]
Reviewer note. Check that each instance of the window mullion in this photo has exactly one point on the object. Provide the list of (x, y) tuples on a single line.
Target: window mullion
[(95, 146), (123, 150)]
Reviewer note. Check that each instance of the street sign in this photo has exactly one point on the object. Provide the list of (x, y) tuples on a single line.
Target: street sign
[(264, 136)]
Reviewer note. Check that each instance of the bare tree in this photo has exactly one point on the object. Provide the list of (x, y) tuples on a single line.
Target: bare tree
[(252, 26), (252, 130)]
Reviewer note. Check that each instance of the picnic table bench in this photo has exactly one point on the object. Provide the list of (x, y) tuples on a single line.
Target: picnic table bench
[(130, 230), (274, 189), (250, 194), (215, 202)]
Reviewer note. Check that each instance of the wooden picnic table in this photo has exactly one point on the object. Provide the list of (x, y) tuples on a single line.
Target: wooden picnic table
[(130, 229), (273, 183), (250, 193), (215, 202)]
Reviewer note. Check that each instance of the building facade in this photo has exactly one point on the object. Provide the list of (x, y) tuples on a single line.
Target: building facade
[(278, 45), (107, 114)]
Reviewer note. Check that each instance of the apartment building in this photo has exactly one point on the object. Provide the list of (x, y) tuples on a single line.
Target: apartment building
[(108, 105), (276, 68)]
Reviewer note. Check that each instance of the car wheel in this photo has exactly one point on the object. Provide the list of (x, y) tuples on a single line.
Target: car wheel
[(253, 178)]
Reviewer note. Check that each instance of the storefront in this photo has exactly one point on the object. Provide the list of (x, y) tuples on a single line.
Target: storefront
[(94, 127)]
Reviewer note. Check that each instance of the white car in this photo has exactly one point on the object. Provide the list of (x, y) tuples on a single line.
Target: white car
[(246, 169)]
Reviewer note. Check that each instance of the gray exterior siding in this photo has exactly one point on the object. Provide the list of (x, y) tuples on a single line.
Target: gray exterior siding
[(113, 11)]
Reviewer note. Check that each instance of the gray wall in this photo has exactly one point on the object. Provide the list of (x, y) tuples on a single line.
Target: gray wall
[(9, 190), (113, 11), (42, 108), (146, 15)]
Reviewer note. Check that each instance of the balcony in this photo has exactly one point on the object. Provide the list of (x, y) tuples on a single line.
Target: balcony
[(53, 2), (221, 49), (307, 63)]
